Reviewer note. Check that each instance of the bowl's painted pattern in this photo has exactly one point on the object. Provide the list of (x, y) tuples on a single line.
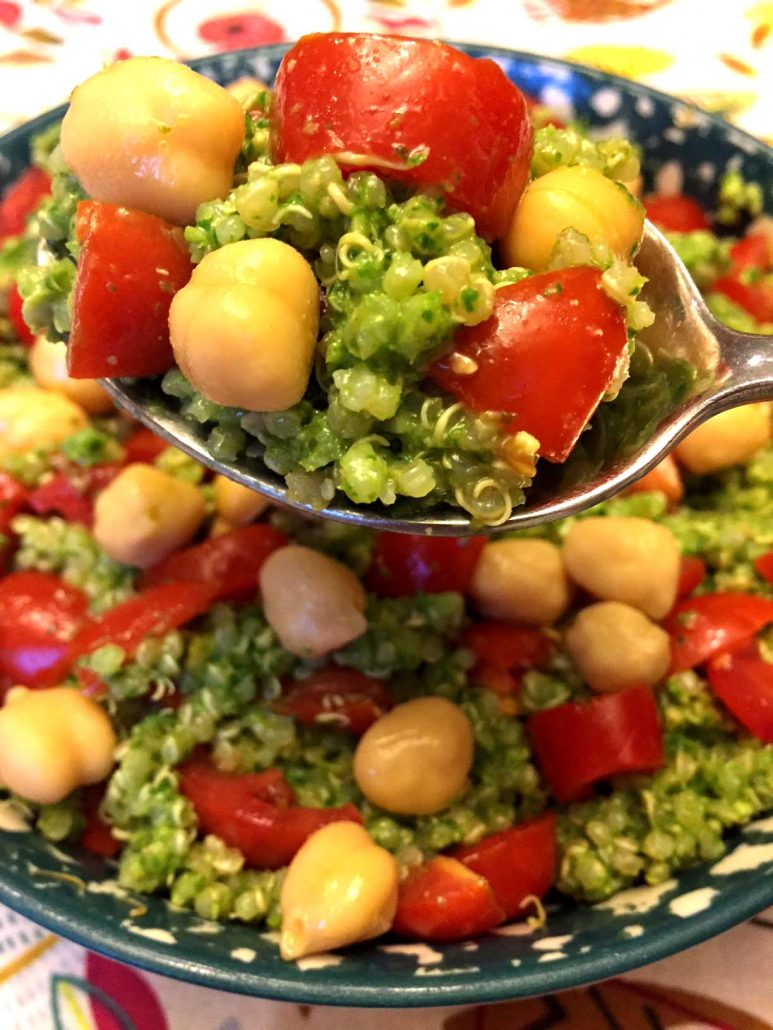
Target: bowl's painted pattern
[(75, 894)]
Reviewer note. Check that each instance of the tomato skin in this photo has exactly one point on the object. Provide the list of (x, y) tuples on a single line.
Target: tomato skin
[(692, 572), (388, 97), (754, 295), (404, 564), (551, 346), (665, 478), (503, 651), (143, 446), (121, 300), (340, 698), (701, 627), (677, 213), (39, 616), (578, 744), (752, 251), (72, 494), (228, 563), (445, 901), (97, 836), (13, 497), (16, 318), (255, 812), (517, 863), (744, 684), (764, 565), (20, 200)]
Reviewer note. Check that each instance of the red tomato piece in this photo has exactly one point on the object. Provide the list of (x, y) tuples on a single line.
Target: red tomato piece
[(13, 497), (508, 646), (404, 564), (20, 200), (545, 357), (578, 744), (517, 863), (131, 265), (764, 565), (39, 616), (676, 213), (228, 563), (16, 318), (753, 251), (248, 813), (445, 901), (665, 478), (143, 446), (754, 295), (97, 835), (692, 573), (72, 494), (341, 698), (743, 682), (418, 110), (704, 626)]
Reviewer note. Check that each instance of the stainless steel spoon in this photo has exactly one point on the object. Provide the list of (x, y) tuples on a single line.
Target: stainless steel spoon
[(732, 368)]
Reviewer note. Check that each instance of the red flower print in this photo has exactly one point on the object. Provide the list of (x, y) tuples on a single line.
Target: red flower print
[(233, 31), (10, 14), (123, 997)]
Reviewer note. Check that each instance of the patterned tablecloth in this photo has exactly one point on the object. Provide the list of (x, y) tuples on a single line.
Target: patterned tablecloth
[(718, 53)]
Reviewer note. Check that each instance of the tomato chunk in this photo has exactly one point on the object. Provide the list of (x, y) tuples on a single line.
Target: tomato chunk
[(503, 651), (228, 563), (16, 318), (517, 863), (416, 110), (13, 497), (404, 564), (39, 616), (753, 251), (255, 812), (72, 494), (130, 266), (445, 901), (704, 626), (692, 572), (144, 446), (764, 565), (341, 698), (753, 293), (20, 200), (743, 681), (546, 356), (676, 213), (578, 744), (665, 479), (97, 836)]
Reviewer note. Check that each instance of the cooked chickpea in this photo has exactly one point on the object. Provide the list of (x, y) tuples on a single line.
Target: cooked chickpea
[(521, 581), (415, 759), (340, 888), (246, 89), (152, 134), (30, 417), (731, 438), (625, 559), (313, 603), (52, 741), (145, 514), (237, 505), (48, 364), (244, 328), (615, 646), (574, 197)]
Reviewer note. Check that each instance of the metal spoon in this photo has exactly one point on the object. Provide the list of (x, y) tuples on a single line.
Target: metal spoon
[(732, 368)]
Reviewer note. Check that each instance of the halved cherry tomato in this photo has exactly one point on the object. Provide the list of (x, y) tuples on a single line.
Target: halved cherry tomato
[(676, 213), (704, 626), (692, 572), (743, 681), (404, 564), (416, 110), (665, 478), (20, 200), (72, 494), (39, 616), (545, 357), (131, 265), (254, 813), (16, 318), (97, 836), (340, 698), (764, 565), (228, 563), (577, 744), (445, 901), (517, 863), (143, 446)]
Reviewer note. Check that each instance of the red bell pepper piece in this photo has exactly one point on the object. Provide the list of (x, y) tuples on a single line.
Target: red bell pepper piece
[(743, 681), (692, 572), (517, 863), (764, 565), (404, 564), (445, 901), (676, 213), (704, 626), (16, 318), (72, 494), (228, 563), (341, 698), (20, 200), (131, 265), (578, 744)]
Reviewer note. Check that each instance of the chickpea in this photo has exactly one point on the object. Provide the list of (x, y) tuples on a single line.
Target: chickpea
[(145, 514), (30, 417), (340, 887), (48, 364), (625, 559), (615, 646), (152, 134), (52, 741), (731, 438), (237, 505), (575, 197), (244, 328), (246, 89), (313, 603), (415, 759), (521, 581)]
